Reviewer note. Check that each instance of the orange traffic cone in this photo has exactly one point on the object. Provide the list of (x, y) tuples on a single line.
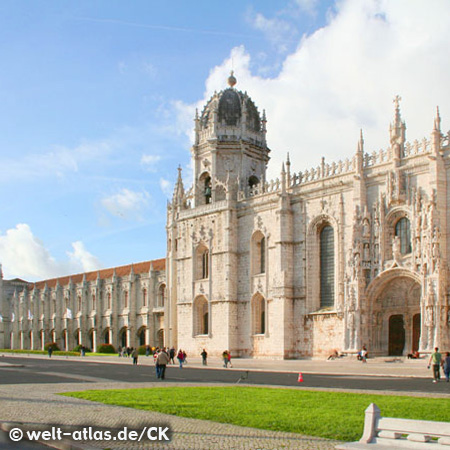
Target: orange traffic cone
[(300, 377)]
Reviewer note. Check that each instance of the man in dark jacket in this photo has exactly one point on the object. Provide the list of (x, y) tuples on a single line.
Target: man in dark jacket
[(162, 361)]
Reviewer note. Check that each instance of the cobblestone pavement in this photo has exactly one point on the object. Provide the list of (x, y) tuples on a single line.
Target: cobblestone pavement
[(39, 403)]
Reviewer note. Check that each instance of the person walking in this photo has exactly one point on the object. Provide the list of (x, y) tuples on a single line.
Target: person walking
[(180, 358), (172, 355), (135, 355), (225, 358), (50, 351), (204, 355), (162, 361), (435, 361), (229, 359), (363, 354), (447, 366)]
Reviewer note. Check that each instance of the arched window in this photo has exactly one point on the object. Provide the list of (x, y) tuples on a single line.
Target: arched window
[(79, 303), (144, 297), (253, 181), (202, 263), (162, 295), (403, 231), (208, 190), (258, 253), (262, 255), (205, 264), (327, 267), (201, 316), (258, 315), (125, 299), (94, 306), (108, 299)]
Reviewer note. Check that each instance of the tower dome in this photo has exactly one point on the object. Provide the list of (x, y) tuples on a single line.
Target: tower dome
[(231, 113)]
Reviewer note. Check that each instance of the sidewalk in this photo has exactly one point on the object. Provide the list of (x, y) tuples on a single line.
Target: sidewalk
[(39, 403)]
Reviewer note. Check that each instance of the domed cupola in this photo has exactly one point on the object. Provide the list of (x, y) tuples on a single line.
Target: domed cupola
[(230, 146), (230, 111), (231, 115)]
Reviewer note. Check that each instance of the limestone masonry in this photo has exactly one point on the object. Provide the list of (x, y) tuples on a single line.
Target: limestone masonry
[(343, 255)]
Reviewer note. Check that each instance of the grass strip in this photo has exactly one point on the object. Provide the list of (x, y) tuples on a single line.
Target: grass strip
[(39, 352), (332, 415)]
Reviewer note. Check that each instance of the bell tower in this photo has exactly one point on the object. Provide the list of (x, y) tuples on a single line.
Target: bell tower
[(230, 145)]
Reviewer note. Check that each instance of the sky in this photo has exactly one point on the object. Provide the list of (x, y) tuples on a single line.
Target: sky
[(97, 100)]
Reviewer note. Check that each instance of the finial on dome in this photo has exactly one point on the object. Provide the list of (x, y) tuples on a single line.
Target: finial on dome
[(232, 79)]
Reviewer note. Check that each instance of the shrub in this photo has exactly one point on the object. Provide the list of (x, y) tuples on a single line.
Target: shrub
[(78, 349), (53, 345), (106, 348), (142, 349)]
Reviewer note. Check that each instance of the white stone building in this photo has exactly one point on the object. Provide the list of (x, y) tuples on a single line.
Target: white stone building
[(343, 255), (123, 306)]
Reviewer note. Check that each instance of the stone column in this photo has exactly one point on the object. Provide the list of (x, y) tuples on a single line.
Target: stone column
[(147, 335), (94, 340), (128, 336)]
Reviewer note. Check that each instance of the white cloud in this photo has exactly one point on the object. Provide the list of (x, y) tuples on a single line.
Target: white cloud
[(166, 187), (344, 76), (81, 257), (23, 255), (150, 162), (55, 163), (127, 204), (276, 30), (308, 6)]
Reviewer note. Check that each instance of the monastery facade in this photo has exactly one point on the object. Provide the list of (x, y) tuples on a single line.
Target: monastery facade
[(343, 255), (123, 306)]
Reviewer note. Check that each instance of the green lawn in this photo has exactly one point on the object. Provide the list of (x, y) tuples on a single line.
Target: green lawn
[(39, 352), (333, 415)]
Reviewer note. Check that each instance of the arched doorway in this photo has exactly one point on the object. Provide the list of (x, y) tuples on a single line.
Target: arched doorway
[(396, 335), (106, 336), (141, 336), (416, 333), (123, 337), (394, 313), (91, 339), (160, 338)]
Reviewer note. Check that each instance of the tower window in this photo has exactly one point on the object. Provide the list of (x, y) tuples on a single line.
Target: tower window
[(262, 255), (208, 190), (202, 263)]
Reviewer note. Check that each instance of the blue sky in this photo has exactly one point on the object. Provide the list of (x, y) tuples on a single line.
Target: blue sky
[(97, 101)]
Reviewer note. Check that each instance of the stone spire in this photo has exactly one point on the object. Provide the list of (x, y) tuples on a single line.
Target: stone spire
[(397, 131), (360, 153), (178, 193), (283, 179), (436, 134), (288, 169)]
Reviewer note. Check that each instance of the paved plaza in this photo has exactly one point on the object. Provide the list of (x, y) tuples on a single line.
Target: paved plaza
[(39, 403)]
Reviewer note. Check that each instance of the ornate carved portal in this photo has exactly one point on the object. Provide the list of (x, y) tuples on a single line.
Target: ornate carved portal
[(396, 317)]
